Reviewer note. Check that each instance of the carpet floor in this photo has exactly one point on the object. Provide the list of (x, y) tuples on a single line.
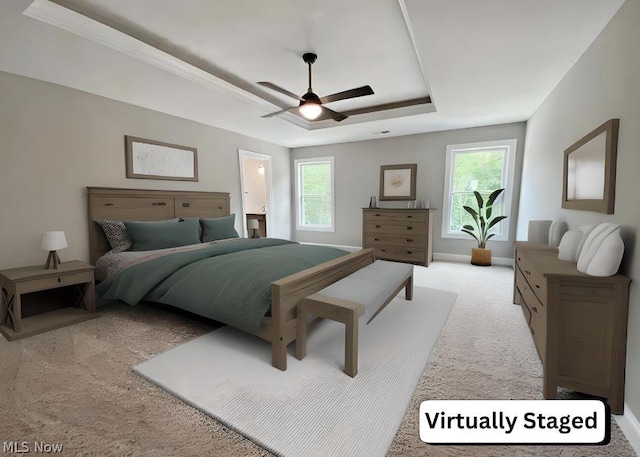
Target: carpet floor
[(74, 386)]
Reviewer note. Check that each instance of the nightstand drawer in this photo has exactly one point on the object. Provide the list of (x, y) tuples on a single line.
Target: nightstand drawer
[(52, 282)]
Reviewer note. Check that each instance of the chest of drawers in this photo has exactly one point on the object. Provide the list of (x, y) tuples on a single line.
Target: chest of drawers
[(578, 323), (403, 235)]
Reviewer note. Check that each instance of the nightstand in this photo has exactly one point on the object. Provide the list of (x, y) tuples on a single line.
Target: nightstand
[(35, 300)]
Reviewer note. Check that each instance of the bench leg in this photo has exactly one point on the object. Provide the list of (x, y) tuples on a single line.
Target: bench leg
[(351, 346), (408, 289)]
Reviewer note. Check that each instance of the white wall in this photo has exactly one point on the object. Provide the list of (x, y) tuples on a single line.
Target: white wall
[(56, 141), (603, 84), (357, 175)]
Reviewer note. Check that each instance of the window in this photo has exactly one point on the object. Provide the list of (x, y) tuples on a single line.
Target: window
[(314, 194), (484, 167)]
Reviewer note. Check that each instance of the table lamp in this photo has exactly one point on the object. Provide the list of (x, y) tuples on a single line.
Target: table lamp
[(252, 224), (52, 241)]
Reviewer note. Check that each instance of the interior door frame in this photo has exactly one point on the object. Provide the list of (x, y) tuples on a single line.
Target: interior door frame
[(266, 159)]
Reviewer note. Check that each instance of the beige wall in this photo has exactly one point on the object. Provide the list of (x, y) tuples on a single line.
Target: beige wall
[(357, 176), (56, 141), (603, 84)]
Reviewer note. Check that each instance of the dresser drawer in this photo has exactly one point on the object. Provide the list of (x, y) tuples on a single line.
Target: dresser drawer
[(395, 227), (534, 278), (411, 216), (405, 255), (52, 282), (538, 309), (389, 240)]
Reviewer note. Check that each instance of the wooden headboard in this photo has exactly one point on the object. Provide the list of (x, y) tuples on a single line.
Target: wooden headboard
[(147, 205)]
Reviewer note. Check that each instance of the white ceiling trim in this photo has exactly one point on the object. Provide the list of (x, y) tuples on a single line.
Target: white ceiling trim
[(407, 22), (66, 19), (84, 26)]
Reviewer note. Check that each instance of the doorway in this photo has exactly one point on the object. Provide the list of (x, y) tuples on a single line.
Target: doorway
[(255, 188)]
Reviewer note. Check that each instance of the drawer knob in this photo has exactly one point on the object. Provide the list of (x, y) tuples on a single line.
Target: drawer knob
[(159, 203), (534, 309), (409, 228), (409, 217), (409, 252), (527, 272), (59, 279), (383, 250), (376, 214), (376, 239), (409, 240), (537, 286), (377, 226), (108, 204), (186, 205)]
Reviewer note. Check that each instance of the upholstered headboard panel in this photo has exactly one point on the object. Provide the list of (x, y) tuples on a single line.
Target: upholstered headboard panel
[(147, 205)]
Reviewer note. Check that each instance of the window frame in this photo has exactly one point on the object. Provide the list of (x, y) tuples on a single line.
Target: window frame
[(508, 173), (297, 175)]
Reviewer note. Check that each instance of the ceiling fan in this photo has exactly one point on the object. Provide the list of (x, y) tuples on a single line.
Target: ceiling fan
[(311, 106)]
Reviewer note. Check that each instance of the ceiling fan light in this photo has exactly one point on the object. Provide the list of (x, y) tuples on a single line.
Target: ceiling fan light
[(310, 110)]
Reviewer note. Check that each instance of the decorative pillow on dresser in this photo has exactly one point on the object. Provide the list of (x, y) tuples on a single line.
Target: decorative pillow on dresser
[(602, 251), (218, 228), (149, 236)]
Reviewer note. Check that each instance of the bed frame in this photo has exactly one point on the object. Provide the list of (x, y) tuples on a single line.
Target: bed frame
[(280, 327)]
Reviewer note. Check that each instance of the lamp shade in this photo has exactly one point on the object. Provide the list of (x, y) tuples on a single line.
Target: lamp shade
[(52, 241), (252, 224)]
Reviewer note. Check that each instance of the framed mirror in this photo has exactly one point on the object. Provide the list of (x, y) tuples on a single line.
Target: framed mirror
[(589, 177)]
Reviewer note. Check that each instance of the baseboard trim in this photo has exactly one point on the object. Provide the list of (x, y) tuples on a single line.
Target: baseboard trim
[(630, 426), (503, 261)]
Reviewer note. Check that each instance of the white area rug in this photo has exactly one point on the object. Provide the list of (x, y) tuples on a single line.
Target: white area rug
[(313, 408)]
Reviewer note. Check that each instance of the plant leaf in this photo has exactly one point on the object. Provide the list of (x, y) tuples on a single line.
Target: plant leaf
[(473, 213), (468, 227), (489, 211), (495, 221), (491, 236), (472, 234), (479, 199), (493, 196)]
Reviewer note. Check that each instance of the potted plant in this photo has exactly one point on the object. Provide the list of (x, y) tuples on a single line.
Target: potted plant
[(484, 223)]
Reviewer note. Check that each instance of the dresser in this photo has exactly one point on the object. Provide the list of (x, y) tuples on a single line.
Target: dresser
[(403, 235), (578, 323)]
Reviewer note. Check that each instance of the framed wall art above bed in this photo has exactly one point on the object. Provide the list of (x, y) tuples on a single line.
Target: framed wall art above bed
[(149, 159)]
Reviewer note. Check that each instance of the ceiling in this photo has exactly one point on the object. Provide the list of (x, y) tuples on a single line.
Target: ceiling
[(433, 64)]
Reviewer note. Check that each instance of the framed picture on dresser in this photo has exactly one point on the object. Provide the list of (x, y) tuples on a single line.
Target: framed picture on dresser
[(398, 182)]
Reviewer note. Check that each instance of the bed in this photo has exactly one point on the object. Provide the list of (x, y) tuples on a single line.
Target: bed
[(279, 325)]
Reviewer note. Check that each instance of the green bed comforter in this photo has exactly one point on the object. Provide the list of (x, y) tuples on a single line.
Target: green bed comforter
[(229, 282)]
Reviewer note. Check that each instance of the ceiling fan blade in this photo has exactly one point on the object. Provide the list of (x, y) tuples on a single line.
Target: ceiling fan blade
[(280, 112), (279, 89), (331, 114), (353, 93)]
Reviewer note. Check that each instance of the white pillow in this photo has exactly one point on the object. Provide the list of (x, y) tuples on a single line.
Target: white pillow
[(586, 229), (568, 249), (602, 251), (556, 230)]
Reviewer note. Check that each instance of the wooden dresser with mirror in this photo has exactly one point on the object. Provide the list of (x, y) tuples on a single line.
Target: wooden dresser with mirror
[(578, 323)]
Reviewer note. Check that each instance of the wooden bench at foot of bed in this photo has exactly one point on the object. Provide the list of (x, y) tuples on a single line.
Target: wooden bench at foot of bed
[(363, 293)]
